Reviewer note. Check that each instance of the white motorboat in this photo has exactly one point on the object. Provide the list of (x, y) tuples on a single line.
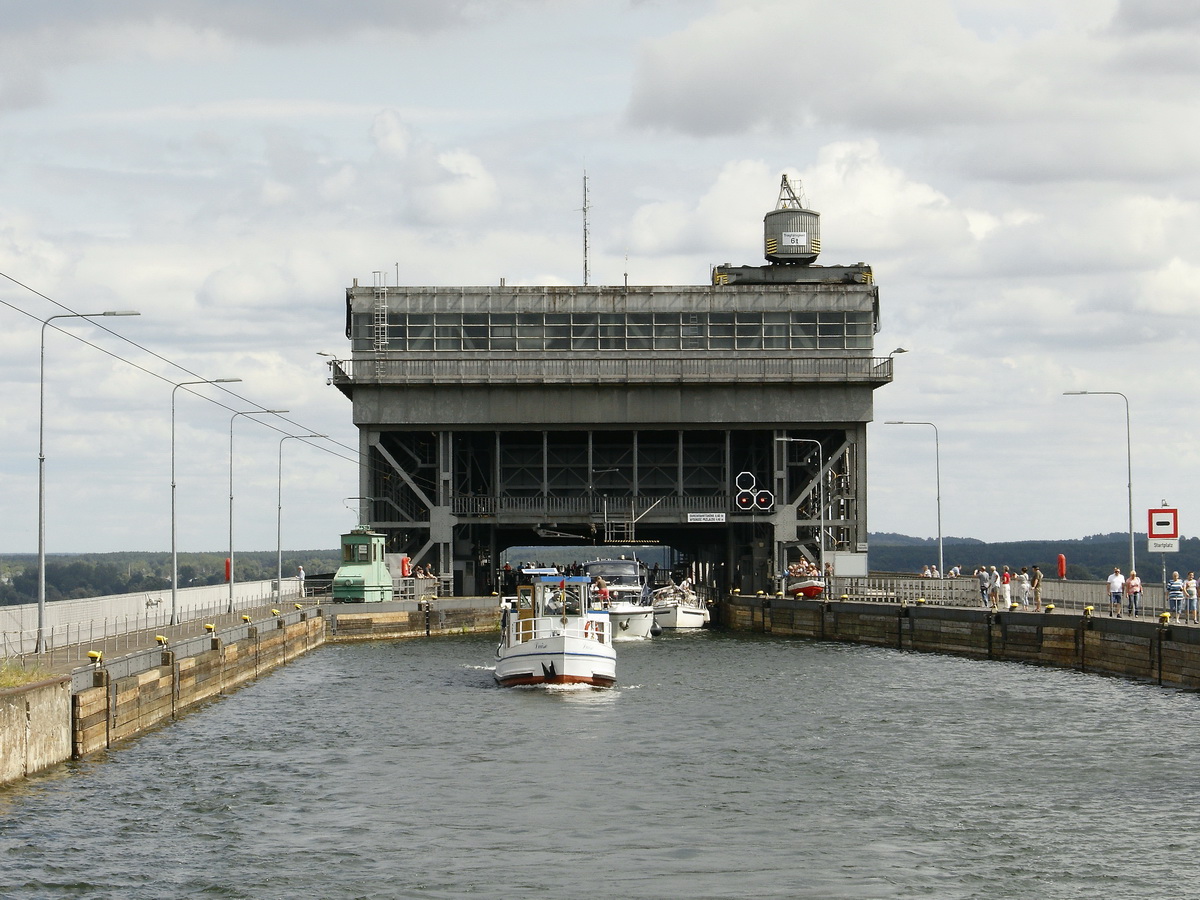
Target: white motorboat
[(677, 606), (553, 637), (630, 622), (619, 586)]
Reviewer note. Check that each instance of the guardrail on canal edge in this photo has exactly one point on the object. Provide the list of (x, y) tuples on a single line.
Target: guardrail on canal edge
[(118, 696), (1074, 629)]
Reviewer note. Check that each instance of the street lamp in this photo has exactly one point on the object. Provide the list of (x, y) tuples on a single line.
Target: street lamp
[(279, 512), (232, 419), (40, 644), (174, 544), (937, 468), (1128, 460), (821, 492)]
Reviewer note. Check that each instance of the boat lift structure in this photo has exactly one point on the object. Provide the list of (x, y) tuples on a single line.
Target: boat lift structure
[(728, 419)]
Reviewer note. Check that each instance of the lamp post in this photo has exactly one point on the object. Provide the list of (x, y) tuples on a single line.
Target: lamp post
[(40, 644), (821, 492), (937, 468), (1128, 460), (232, 419), (279, 513), (360, 508), (174, 544)]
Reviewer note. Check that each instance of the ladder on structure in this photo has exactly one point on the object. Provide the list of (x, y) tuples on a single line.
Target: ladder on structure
[(379, 337)]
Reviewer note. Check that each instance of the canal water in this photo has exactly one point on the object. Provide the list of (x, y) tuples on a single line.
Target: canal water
[(720, 767)]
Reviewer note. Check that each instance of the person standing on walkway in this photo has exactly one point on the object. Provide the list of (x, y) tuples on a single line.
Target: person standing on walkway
[(1116, 589), (985, 582), (1023, 584), (1133, 590), (994, 587), (1006, 587), (1189, 611), (1035, 581), (1175, 594)]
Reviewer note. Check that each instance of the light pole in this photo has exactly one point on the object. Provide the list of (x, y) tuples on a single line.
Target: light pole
[(821, 492), (937, 468), (40, 644), (232, 419), (1128, 460), (279, 513), (174, 544)]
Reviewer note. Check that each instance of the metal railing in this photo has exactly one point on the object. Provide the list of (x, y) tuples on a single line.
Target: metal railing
[(138, 660), (594, 503), (523, 630), (652, 368), (964, 591), (71, 624)]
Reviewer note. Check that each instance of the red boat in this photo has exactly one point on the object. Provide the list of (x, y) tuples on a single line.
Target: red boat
[(810, 588)]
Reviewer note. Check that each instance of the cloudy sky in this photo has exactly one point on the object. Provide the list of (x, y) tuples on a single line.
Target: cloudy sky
[(1021, 174)]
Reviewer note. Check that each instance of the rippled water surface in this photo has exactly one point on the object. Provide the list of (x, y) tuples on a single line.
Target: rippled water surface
[(721, 766)]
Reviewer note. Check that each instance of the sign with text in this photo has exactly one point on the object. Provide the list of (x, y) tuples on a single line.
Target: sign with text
[(706, 517), (1163, 545)]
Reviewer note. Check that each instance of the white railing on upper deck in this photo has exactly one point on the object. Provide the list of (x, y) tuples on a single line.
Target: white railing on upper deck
[(520, 631)]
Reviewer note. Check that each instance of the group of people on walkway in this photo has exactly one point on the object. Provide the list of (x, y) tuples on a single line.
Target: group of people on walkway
[(996, 587), (1182, 597), (1126, 589)]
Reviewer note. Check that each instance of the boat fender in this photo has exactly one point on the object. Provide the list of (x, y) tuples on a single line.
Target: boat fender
[(655, 630)]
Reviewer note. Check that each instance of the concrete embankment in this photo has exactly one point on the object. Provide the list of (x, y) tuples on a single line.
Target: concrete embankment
[(48, 722), (1141, 649), (35, 727)]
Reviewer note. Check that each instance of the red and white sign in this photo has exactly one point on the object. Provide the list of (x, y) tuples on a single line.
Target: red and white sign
[(1164, 523)]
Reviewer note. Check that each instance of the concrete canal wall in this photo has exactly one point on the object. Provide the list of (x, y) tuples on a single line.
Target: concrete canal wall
[(116, 708), (1141, 649), (51, 721), (380, 621), (35, 727)]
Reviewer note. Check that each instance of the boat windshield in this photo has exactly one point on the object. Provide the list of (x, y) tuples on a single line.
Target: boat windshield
[(618, 571), (562, 597)]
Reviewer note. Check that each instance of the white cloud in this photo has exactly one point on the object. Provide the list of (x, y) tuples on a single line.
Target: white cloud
[(457, 188)]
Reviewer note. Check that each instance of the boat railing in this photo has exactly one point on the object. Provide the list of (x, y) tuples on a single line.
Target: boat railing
[(520, 631)]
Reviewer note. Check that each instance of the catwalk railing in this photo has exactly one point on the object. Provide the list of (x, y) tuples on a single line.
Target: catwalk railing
[(633, 368)]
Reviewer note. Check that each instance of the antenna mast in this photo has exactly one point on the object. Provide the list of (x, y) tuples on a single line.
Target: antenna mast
[(585, 229)]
